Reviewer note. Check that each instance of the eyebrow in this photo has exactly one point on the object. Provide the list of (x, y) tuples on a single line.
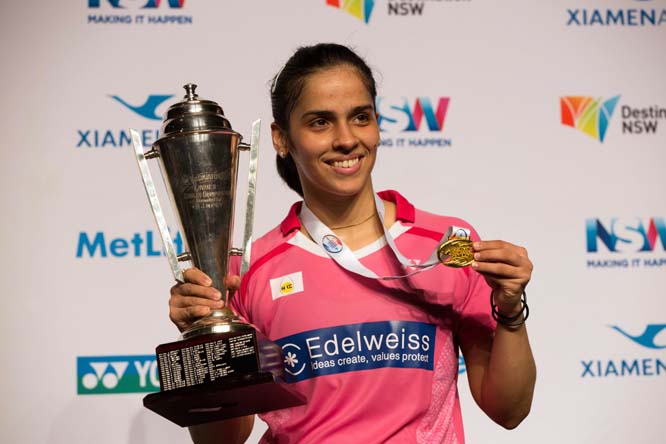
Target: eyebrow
[(330, 114)]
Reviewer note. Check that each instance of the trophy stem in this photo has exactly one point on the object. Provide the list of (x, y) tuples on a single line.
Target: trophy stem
[(223, 320)]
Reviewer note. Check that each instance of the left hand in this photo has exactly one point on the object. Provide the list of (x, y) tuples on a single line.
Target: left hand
[(507, 270)]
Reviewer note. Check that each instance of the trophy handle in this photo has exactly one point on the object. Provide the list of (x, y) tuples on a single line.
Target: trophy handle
[(155, 206), (251, 194)]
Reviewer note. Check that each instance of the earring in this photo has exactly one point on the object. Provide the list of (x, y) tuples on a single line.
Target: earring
[(283, 154)]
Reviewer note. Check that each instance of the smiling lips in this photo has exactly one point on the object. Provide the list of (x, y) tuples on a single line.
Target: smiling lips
[(347, 163)]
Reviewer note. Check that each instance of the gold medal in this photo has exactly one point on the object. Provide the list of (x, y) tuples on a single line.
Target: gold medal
[(456, 252)]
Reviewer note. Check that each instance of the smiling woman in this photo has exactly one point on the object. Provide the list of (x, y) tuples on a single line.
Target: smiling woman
[(342, 287)]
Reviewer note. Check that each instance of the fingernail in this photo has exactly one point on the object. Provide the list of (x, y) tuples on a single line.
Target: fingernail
[(218, 295), (475, 264), (476, 245), (477, 256)]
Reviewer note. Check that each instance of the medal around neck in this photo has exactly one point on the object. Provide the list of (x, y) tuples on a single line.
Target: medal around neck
[(222, 367), (456, 250)]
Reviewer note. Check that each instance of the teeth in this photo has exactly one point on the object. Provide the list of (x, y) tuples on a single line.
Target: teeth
[(346, 163)]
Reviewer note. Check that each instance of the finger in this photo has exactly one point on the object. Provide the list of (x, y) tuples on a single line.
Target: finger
[(180, 302), (196, 276), (491, 245), (232, 282), (184, 316), (499, 270), (504, 255), (196, 290)]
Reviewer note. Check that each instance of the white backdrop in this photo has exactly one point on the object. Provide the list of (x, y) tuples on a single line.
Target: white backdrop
[(507, 164)]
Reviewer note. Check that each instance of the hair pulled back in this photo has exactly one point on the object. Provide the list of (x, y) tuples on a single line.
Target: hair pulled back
[(288, 84)]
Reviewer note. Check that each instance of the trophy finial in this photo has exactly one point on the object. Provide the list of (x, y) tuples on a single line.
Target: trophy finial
[(190, 94)]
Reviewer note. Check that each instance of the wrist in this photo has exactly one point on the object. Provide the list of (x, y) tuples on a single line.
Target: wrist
[(510, 315)]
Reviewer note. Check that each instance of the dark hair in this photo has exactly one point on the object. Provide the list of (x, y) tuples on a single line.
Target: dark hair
[(288, 85)]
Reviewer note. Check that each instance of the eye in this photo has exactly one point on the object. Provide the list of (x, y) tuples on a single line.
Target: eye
[(318, 123), (362, 118)]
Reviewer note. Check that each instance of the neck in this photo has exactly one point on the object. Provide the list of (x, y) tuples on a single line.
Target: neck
[(338, 211), (345, 214)]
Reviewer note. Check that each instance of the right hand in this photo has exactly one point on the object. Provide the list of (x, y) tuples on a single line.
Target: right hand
[(196, 298)]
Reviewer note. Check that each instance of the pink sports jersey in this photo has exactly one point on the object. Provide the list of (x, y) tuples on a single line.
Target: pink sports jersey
[(377, 360)]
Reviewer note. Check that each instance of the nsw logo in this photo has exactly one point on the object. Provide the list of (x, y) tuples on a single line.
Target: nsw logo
[(587, 114), (617, 238), (132, 4), (98, 375), (626, 235), (418, 122), (137, 12)]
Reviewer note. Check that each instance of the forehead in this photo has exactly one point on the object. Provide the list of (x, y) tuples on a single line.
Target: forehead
[(333, 88)]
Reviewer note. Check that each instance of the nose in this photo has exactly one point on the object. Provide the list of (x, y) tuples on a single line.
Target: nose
[(345, 137)]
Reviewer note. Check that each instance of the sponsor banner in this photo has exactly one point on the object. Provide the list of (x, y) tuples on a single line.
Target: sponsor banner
[(363, 9), (645, 13), (626, 243), (143, 12), (104, 375), (98, 244), (355, 347), (101, 137), (413, 122), (592, 116), (647, 364)]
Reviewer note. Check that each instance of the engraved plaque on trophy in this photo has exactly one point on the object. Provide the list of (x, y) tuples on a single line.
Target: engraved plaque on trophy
[(221, 367)]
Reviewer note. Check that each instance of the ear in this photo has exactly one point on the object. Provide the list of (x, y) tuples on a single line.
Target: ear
[(279, 140)]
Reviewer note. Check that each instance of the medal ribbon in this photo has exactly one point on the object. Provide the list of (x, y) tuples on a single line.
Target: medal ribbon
[(343, 256)]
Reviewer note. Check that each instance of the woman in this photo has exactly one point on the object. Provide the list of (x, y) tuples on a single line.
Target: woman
[(370, 340)]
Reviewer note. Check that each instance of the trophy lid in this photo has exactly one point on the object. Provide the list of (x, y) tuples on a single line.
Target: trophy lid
[(193, 114)]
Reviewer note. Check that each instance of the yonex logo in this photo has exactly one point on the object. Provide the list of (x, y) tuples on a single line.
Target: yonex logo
[(588, 114), (116, 374)]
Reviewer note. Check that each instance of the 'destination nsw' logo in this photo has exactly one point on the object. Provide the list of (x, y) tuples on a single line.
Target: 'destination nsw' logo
[(588, 114), (361, 9), (98, 375)]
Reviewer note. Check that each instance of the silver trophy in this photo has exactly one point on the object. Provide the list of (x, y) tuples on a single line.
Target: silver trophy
[(222, 367)]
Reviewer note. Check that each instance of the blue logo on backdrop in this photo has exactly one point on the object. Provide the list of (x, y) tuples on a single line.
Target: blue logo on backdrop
[(356, 347), (119, 138), (146, 244), (150, 12), (648, 337), (148, 108), (618, 238), (419, 122), (608, 17), (636, 366)]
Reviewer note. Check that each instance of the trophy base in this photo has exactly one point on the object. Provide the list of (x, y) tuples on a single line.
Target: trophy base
[(254, 393)]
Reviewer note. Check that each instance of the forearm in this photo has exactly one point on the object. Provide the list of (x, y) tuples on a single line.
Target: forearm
[(230, 431), (508, 382)]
